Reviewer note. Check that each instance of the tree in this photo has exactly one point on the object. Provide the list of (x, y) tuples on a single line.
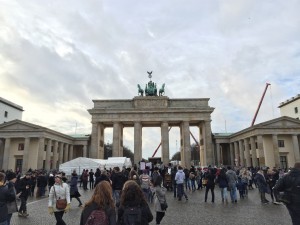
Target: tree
[(195, 154), (126, 152)]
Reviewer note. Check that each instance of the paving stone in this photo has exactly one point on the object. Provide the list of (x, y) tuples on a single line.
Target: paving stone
[(192, 212)]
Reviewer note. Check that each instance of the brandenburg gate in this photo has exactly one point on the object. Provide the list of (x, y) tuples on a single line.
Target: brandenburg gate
[(153, 110)]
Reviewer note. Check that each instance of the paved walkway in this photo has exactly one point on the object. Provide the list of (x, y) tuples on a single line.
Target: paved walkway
[(193, 212)]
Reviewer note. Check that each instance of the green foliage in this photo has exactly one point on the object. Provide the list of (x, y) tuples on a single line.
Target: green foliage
[(126, 152)]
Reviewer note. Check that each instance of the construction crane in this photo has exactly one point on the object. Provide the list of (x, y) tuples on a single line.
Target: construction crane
[(261, 100), (169, 130)]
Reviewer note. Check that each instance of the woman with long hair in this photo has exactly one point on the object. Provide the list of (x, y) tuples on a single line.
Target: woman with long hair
[(59, 190), (101, 204), (132, 198)]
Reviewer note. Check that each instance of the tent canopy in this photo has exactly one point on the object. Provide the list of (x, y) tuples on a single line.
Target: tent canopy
[(118, 161), (81, 163)]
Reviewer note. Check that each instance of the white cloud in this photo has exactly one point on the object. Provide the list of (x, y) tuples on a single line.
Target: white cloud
[(58, 56)]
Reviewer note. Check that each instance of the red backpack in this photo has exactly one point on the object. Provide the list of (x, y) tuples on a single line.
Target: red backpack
[(97, 217)]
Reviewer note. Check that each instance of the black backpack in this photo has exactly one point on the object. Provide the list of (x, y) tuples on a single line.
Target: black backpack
[(132, 215)]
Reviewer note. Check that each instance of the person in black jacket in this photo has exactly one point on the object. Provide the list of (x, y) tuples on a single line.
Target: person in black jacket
[(24, 188), (210, 176), (5, 196), (101, 200), (41, 184), (118, 181), (290, 184), (133, 197), (103, 176)]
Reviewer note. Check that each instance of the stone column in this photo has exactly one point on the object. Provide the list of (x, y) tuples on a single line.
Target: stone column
[(260, 145), (6, 155), (61, 153), (201, 147), (48, 155), (218, 154), (41, 153), (26, 155), (247, 153), (66, 152), (101, 141), (186, 145), (84, 151), (231, 149), (241, 150), (94, 141), (117, 140), (71, 152), (55, 155), (236, 154), (208, 143), (1, 152), (137, 142), (253, 150), (276, 150), (296, 147), (165, 143)]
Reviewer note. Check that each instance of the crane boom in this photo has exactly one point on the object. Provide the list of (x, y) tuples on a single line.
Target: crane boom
[(261, 100)]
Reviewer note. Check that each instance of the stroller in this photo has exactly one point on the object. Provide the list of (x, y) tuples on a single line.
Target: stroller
[(168, 182)]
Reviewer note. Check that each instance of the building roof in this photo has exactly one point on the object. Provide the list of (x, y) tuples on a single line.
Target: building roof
[(289, 101), (9, 103)]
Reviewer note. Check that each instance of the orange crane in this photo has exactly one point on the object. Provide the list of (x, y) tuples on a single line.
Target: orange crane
[(169, 130), (261, 100)]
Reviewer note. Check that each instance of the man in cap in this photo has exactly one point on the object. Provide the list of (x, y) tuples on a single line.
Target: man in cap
[(290, 185)]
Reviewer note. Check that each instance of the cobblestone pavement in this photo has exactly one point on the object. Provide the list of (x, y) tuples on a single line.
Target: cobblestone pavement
[(194, 211)]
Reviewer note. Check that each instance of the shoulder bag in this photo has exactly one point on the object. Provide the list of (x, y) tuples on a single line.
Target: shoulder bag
[(60, 203)]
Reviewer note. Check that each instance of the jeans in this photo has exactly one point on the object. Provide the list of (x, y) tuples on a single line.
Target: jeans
[(23, 207), (42, 191), (211, 188), (187, 184), (58, 216), (193, 184), (175, 189), (233, 195), (116, 194), (4, 222), (180, 191), (224, 193)]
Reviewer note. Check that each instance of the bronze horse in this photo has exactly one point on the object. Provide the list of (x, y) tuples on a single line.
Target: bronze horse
[(140, 90), (162, 90)]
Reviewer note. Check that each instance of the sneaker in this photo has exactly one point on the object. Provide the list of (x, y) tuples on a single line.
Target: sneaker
[(80, 205), (25, 214), (20, 214)]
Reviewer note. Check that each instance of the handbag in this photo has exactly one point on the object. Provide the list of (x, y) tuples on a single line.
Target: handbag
[(60, 203), (164, 206)]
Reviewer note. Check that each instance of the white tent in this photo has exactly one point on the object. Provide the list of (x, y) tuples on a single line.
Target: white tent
[(81, 163), (118, 161)]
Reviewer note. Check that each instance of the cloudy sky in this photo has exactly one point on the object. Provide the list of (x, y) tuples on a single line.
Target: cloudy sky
[(57, 56)]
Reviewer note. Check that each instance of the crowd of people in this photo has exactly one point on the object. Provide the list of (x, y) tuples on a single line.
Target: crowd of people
[(123, 196)]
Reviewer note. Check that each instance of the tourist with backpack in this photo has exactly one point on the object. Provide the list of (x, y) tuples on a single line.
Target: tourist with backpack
[(160, 202), (288, 188), (134, 208), (100, 209)]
